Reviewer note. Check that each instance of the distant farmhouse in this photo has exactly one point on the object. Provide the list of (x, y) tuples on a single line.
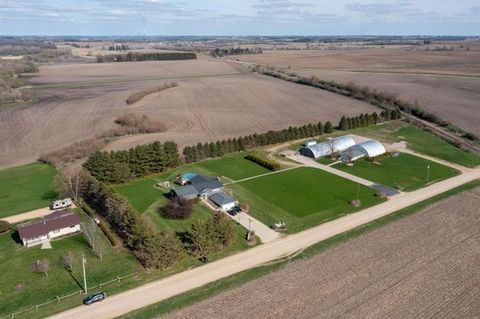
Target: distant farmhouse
[(52, 226), (345, 146), (204, 187)]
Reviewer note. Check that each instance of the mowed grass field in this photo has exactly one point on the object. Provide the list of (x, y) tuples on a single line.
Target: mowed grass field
[(26, 188), (405, 172), (302, 197)]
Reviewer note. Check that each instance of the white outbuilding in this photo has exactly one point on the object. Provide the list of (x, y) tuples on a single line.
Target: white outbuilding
[(329, 147), (369, 149)]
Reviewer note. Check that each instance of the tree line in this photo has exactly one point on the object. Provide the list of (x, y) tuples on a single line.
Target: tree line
[(219, 148), (149, 248), (118, 166), (218, 52), (150, 56), (364, 120)]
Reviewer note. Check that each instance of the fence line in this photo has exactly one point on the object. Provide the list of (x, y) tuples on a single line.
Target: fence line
[(60, 298)]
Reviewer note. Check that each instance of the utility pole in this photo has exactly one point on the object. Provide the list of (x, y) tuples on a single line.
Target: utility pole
[(249, 223), (84, 262), (428, 172)]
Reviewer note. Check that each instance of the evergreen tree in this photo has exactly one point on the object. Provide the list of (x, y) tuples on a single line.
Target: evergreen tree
[(199, 240), (343, 124), (328, 128), (167, 250)]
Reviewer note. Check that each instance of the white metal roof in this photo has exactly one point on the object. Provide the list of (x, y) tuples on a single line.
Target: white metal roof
[(335, 145), (372, 148)]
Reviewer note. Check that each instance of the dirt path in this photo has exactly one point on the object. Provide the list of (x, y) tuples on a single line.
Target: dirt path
[(38, 213), (165, 288)]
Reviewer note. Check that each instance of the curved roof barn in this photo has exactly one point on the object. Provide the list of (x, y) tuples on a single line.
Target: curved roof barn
[(369, 149), (329, 147)]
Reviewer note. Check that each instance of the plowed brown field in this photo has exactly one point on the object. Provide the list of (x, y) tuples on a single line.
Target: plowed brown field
[(214, 100), (446, 83), (424, 266)]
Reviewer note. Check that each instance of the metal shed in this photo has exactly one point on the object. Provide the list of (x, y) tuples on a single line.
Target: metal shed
[(329, 147), (370, 149)]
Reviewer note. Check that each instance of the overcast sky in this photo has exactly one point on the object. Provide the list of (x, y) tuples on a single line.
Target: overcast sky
[(245, 17)]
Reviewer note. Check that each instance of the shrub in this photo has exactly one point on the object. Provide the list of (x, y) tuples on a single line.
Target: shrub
[(267, 163), (108, 232), (179, 208), (137, 96), (4, 226)]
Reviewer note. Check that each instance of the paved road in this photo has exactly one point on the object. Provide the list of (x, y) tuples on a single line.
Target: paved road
[(165, 288)]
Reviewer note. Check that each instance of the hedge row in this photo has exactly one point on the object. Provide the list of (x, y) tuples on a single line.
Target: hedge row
[(105, 228), (268, 164)]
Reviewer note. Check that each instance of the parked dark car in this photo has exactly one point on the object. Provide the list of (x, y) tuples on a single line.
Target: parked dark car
[(234, 210), (99, 296)]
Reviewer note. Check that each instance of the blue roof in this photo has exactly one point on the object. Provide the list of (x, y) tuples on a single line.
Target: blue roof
[(189, 176)]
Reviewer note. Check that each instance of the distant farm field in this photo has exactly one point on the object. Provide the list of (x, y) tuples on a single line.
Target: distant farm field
[(26, 188), (446, 83), (302, 197), (405, 172), (213, 100)]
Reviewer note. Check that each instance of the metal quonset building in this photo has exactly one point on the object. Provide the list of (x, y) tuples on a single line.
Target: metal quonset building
[(369, 149), (329, 147)]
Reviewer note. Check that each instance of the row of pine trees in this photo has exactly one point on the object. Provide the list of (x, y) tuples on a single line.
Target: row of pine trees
[(142, 160), (364, 120)]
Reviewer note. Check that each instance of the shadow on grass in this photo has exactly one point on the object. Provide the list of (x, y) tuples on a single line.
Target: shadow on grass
[(74, 278), (15, 237), (50, 195)]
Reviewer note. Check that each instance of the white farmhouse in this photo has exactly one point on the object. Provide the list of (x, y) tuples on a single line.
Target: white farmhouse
[(52, 226)]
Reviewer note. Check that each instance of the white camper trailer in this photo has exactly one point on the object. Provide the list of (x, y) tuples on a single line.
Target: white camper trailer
[(61, 203)]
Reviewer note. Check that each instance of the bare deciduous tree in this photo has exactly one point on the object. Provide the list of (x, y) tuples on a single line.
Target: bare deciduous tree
[(93, 235), (40, 266), (71, 182), (68, 260)]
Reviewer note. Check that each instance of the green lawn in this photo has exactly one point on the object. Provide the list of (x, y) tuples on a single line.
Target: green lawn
[(405, 172), (302, 198), (25, 188), (427, 143)]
